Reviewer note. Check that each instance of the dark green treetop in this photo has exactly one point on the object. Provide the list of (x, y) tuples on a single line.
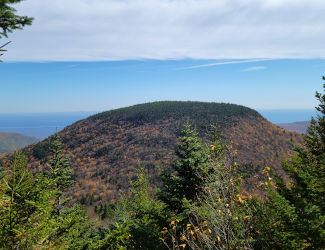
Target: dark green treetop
[(9, 21), (147, 215), (70, 226), (200, 114), (59, 172), (186, 177), (24, 207)]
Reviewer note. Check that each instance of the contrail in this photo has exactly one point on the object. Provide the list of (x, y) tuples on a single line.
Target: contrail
[(223, 63)]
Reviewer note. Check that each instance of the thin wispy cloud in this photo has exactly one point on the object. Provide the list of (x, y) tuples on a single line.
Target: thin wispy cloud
[(164, 29), (224, 63), (254, 68)]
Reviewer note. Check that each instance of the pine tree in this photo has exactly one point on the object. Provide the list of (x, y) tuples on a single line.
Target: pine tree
[(24, 207), (70, 226), (137, 220), (185, 178), (293, 215), (59, 173), (219, 217), (33, 209), (9, 21), (147, 214)]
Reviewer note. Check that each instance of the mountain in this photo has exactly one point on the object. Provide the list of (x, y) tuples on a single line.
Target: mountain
[(106, 148), (13, 141), (300, 127)]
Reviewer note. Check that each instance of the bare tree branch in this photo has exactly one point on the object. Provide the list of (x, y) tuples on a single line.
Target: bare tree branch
[(3, 50)]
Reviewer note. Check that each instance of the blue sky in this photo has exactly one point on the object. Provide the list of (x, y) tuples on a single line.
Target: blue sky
[(82, 55), (88, 86)]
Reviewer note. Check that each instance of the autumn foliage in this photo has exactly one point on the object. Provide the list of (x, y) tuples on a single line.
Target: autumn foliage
[(105, 149)]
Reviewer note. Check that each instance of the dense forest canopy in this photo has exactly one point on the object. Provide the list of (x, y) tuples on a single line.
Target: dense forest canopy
[(195, 111)]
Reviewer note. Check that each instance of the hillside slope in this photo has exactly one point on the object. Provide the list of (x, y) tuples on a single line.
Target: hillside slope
[(13, 141), (106, 148)]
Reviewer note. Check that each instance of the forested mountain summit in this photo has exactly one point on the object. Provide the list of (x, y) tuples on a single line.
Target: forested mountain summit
[(106, 148), (196, 111)]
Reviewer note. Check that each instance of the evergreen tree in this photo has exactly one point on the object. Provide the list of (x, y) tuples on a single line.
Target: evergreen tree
[(33, 209), (220, 217), (187, 176), (70, 226), (293, 215), (9, 21), (24, 207), (59, 173), (147, 215), (138, 219)]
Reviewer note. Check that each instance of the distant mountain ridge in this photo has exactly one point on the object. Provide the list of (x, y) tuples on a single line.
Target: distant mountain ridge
[(106, 148), (14, 141), (300, 127)]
